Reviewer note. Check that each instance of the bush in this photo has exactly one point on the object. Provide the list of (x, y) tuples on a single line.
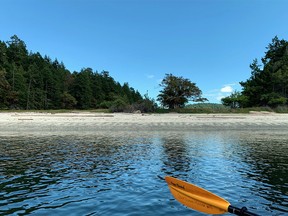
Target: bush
[(105, 104), (118, 105), (146, 106), (281, 109), (274, 102), (205, 108), (68, 101)]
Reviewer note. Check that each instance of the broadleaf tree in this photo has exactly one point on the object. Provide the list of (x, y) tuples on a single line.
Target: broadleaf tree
[(177, 91)]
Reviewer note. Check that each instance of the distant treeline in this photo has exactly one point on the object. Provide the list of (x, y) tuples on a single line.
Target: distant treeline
[(31, 81)]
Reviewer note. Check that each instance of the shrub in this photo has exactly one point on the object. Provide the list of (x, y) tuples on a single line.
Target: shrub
[(105, 104), (118, 105)]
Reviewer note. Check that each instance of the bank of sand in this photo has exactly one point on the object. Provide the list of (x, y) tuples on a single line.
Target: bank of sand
[(19, 123)]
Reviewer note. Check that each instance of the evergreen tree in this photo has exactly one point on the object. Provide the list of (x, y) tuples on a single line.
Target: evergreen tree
[(4, 89), (17, 52), (3, 55), (82, 89), (30, 81), (268, 86)]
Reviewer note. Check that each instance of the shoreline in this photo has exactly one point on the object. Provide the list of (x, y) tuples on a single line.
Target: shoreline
[(15, 123)]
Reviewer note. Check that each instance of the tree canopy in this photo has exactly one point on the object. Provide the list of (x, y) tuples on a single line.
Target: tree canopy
[(30, 81), (268, 84), (177, 91)]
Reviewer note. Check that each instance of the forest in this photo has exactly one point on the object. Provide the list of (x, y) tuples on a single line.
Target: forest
[(31, 81)]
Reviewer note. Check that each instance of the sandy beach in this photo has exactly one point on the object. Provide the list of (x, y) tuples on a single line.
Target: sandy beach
[(17, 123)]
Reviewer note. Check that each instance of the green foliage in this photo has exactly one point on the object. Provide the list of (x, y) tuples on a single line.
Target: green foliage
[(276, 100), (68, 101), (235, 100), (205, 108), (281, 109), (106, 104), (177, 91), (220, 108), (118, 105), (30, 81), (4, 89), (82, 89), (147, 105), (268, 84)]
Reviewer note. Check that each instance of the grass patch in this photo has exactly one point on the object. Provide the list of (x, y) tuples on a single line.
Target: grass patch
[(219, 108), (195, 108)]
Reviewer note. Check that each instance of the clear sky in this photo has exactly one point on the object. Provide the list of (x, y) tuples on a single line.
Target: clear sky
[(210, 42)]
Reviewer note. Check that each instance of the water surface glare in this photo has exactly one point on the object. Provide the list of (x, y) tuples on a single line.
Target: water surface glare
[(121, 173)]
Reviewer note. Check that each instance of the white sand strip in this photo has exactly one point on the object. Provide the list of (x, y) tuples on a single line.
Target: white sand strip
[(33, 122)]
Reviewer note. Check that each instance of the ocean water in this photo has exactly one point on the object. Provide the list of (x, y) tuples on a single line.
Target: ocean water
[(122, 173)]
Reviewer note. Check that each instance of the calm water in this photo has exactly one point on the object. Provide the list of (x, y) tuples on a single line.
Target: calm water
[(122, 173)]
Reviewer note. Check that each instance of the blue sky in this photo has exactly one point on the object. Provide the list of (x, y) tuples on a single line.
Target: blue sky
[(210, 42)]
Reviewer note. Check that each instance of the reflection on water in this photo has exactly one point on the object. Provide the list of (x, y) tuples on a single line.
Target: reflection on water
[(176, 157), (122, 173)]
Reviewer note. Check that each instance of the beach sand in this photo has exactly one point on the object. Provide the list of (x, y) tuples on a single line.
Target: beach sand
[(21, 123)]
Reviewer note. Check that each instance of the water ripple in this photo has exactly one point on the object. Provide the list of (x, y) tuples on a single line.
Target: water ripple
[(122, 173)]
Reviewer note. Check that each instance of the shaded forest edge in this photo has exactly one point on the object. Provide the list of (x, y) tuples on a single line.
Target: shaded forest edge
[(29, 81)]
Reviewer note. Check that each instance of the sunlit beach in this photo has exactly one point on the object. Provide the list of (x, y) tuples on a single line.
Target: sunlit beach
[(88, 122)]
